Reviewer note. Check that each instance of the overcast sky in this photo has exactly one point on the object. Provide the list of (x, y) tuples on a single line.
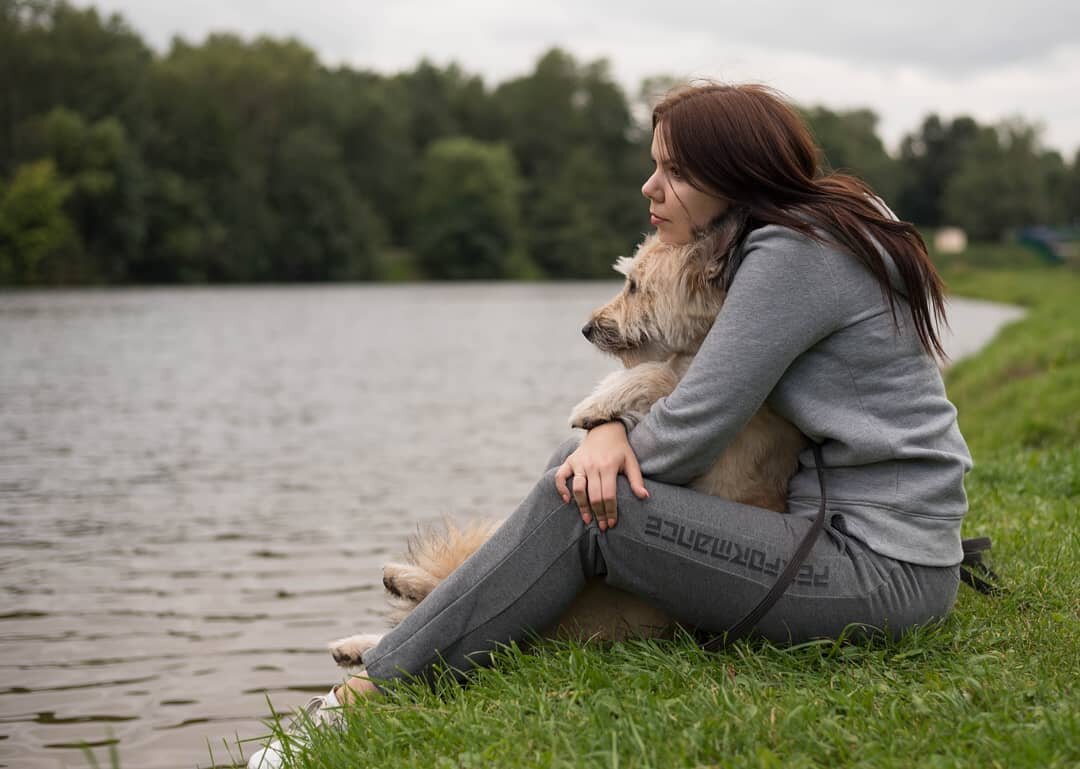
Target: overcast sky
[(902, 59)]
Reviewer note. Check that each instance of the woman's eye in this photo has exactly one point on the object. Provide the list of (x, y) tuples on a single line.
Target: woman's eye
[(674, 171)]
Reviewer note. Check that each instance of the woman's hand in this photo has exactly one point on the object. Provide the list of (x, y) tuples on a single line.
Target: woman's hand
[(594, 466)]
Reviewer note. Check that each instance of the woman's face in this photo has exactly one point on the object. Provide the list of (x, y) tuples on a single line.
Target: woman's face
[(676, 208)]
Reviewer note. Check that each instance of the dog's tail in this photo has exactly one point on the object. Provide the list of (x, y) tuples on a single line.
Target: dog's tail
[(439, 549), (433, 553)]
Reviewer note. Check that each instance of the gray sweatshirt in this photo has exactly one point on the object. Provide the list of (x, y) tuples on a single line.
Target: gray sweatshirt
[(806, 327)]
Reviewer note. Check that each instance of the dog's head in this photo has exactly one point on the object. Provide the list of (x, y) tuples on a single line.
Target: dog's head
[(670, 298)]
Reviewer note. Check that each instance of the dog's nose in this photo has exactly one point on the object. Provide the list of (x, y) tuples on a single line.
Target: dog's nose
[(588, 330)]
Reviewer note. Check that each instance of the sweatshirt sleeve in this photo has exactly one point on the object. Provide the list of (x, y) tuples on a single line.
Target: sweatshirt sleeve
[(782, 301)]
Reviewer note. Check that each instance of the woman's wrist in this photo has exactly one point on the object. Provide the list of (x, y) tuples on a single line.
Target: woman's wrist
[(607, 425), (605, 438), (627, 422)]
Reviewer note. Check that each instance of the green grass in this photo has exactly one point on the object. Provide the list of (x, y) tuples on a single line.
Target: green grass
[(994, 685), (989, 256)]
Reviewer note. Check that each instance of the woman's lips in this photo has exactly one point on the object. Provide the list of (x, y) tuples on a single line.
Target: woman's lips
[(654, 219)]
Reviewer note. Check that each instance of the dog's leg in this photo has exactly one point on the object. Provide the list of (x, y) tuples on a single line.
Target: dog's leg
[(349, 652), (410, 583), (432, 555), (627, 391)]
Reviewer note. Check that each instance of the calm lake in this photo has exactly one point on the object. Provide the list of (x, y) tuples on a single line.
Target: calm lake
[(198, 488)]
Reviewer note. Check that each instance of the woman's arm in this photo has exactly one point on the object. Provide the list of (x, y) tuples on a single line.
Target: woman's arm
[(782, 301)]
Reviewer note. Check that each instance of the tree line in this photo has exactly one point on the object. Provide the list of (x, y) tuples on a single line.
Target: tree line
[(243, 161)]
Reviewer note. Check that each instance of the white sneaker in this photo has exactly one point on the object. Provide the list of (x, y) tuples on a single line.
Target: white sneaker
[(318, 712)]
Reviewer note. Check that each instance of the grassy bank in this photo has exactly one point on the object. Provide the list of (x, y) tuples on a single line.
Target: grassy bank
[(992, 686)]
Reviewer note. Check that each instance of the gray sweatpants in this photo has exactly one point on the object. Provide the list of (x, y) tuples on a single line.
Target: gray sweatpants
[(704, 560)]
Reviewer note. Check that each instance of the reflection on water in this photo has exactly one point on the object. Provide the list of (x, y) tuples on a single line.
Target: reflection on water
[(198, 488)]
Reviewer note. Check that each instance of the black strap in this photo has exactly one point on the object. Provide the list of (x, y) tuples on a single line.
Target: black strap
[(973, 570), (747, 623)]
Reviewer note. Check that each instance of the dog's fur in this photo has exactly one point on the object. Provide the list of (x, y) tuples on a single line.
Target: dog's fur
[(668, 303)]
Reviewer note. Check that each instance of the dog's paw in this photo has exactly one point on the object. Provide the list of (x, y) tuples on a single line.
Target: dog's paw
[(349, 652), (588, 424), (589, 414), (410, 583)]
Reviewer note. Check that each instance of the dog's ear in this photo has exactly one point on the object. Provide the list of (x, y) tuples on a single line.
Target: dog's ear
[(623, 264), (726, 233)]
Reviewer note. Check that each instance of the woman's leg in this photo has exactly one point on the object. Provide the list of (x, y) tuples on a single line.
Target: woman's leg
[(706, 561)]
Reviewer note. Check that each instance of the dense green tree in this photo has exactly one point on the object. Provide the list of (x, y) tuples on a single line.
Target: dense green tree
[(370, 119), (1054, 188), (183, 235), (619, 145), (248, 160), (224, 109), (850, 143), (325, 232), (1002, 183), (929, 158), (35, 234), (275, 197), (562, 118), (444, 102), (467, 217), (538, 115), (571, 234), (55, 55), (1072, 192), (106, 181)]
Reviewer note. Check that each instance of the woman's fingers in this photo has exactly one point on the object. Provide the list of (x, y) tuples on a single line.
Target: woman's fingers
[(561, 475), (579, 489), (633, 474), (581, 496), (611, 511), (594, 490), (596, 499)]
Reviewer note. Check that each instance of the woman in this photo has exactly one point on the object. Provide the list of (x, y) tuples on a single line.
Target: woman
[(830, 316)]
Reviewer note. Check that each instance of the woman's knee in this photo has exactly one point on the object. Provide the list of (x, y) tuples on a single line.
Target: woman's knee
[(545, 507), (565, 449), (545, 497)]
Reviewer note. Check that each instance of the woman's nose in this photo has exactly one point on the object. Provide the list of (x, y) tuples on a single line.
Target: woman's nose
[(649, 189)]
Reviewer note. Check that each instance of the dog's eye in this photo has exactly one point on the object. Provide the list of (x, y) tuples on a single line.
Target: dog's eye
[(631, 286)]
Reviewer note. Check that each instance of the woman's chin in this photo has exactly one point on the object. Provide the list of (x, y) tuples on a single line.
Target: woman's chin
[(671, 238)]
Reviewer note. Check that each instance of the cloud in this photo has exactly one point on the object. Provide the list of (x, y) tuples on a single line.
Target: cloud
[(1039, 90), (902, 60), (946, 36)]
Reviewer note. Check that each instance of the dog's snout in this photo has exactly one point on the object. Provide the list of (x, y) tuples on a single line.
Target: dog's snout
[(588, 330)]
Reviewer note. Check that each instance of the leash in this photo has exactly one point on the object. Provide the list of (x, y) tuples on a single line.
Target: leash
[(747, 623), (973, 570)]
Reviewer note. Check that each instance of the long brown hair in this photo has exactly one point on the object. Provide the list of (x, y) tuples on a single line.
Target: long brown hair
[(748, 145)]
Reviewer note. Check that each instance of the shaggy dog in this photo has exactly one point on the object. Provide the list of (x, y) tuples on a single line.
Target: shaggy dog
[(667, 305)]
